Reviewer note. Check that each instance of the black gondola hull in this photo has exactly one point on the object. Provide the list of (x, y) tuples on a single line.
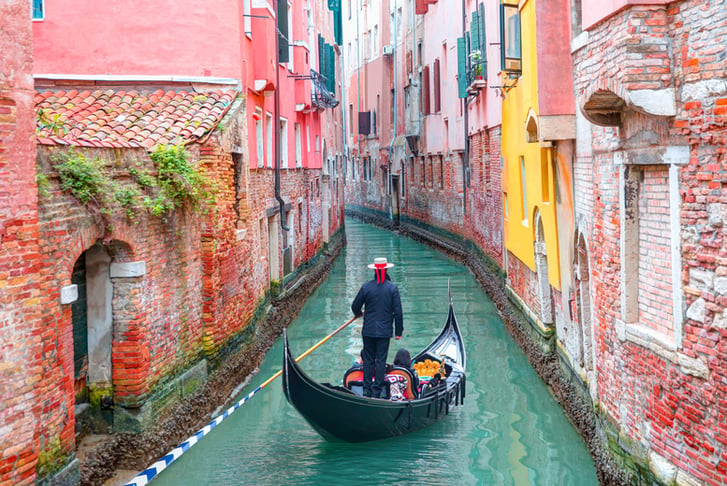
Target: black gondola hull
[(339, 415)]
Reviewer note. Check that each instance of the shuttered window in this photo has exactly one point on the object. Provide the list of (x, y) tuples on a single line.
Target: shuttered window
[(364, 122), (462, 60), (437, 88), (425, 92), (37, 9), (283, 34)]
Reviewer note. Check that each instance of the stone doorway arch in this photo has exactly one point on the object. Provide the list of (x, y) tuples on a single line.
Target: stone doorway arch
[(541, 268), (583, 300), (92, 318)]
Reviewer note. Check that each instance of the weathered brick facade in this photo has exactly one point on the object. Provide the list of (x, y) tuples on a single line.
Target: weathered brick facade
[(650, 204), (21, 326)]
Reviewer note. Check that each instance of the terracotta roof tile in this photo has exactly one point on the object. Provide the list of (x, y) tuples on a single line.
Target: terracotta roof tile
[(130, 118)]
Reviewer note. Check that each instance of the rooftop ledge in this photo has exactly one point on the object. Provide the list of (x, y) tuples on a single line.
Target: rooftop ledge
[(116, 78)]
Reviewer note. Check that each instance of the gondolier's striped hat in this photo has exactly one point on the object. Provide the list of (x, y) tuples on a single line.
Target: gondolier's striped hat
[(380, 265)]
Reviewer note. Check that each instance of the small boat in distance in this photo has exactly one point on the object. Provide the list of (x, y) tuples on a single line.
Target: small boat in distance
[(339, 414)]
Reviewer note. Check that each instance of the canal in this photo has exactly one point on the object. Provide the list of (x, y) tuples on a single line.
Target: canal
[(510, 431)]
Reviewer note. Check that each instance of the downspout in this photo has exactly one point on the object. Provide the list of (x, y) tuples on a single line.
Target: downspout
[(276, 117), (466, 152), (358, 88), (396, 106)]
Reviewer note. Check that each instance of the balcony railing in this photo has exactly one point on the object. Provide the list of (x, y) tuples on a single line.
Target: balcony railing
[(321, 97), (476, 75)]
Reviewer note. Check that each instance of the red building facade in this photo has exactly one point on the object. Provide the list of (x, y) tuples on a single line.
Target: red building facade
[(127, 308)]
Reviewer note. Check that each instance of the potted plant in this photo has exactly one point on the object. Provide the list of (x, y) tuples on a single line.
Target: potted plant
[(476, 61)]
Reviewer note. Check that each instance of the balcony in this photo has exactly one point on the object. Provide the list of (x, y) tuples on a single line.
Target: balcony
[(322, 98), (476, 76)]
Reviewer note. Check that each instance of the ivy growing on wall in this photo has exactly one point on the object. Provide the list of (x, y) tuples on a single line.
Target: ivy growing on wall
[(173, 183)]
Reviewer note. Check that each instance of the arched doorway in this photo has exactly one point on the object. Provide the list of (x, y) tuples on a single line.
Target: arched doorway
[(583, 299), (92, 338), (541, 268)]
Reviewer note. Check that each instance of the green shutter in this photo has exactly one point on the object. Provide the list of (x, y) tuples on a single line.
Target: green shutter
[(483, 37), (283, 52), (331, 62), (321, 55), (462, 67), (338, 26), (475, 29)]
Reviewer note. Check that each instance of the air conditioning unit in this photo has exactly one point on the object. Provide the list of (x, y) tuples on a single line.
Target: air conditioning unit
[(388, 50)]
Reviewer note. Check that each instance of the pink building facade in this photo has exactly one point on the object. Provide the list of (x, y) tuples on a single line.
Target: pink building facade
[(420, 147)]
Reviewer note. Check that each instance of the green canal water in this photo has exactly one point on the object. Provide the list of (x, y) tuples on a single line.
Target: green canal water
[(509, 431)]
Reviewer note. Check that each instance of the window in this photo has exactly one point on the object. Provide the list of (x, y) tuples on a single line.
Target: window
[(284, 162), (240, 185), (437, 88), (269, 139), (650, 225), (298, 147), (283, 32), (523, 188), (378, 107), (425, 91), (247, 20), (290, 38), (259, 137), (350, 117), (38, 10), (510, 38), (307, 137), (441, 173)]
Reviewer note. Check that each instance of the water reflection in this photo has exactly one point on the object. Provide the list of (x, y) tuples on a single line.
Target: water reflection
[(509, 432)]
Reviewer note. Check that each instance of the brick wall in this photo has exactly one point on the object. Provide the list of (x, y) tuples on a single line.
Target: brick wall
[(21, 324), (664, 394), (157, 327)]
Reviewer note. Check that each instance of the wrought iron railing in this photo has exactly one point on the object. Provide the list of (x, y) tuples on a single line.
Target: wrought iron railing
[(477, 73), (321, 97)]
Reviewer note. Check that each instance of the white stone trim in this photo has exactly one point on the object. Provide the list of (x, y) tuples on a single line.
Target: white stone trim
[(69, 294), (676, 254), (578, 42), (127, 269), (658, 102)]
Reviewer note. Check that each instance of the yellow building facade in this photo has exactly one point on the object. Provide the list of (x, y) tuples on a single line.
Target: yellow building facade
[(528, 174)]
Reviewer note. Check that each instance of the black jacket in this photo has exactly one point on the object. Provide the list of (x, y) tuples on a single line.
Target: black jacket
[(382, 306)]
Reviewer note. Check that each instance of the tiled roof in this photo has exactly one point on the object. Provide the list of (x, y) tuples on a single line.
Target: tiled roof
[(134, 118)]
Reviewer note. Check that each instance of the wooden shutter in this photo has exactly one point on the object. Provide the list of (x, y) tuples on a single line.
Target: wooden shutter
[(364, 122), (475, 31), (461, 67), (283, 35), (425, 92), (437, 88)]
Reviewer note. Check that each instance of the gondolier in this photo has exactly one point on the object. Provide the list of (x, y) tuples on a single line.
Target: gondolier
[(380, 301)]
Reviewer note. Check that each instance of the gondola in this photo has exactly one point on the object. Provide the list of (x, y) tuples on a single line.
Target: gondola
[(339, 414)]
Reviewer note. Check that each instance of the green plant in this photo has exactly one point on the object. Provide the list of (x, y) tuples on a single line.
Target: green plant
[(83, 177), (51, 458), (90, 181), (179, 180), (41, 181)]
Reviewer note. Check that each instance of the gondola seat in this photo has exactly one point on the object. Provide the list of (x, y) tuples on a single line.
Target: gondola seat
[(353, 379), (411, 386)]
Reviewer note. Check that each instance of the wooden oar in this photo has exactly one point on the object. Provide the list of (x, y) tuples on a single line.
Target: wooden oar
[(315, 346), (149, 473)]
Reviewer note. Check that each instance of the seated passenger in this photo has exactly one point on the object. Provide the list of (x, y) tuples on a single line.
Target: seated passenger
[(399, 388)]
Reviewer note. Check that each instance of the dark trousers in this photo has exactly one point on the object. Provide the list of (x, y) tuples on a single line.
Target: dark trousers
[(374, 364)]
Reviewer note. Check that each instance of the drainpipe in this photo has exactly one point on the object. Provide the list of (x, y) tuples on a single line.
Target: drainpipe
[(466, 152), (396, 106), (276, 131)]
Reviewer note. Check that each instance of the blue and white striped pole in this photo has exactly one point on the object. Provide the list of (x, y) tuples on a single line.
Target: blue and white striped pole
[(152, 471)]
